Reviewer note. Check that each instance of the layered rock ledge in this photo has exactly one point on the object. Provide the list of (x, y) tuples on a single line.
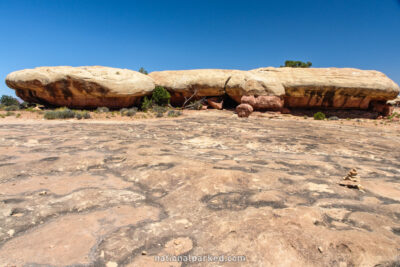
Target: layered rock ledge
[(80, 87)]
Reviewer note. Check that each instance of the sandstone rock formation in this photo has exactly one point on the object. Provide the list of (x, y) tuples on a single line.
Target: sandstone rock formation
[(215, 82), (333, 87), (80, 87), (298, 87), (182, 84), (271, 88)]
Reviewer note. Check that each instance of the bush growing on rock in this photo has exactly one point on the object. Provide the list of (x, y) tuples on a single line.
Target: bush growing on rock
[(7, 100), (160, 96), (297, 64), (319, 116), (142, 70)]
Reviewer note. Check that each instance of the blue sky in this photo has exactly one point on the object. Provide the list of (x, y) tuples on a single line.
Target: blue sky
[(165, 35)]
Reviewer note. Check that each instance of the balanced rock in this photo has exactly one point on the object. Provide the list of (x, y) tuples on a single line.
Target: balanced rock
[(80, 87)]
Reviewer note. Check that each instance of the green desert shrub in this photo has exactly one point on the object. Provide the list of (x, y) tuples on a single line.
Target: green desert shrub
[(160, 96), (173, 113), (103, 109), (7, 100), (142, 70), (10, 113), (146, 104), (297, 64), (11, 108), (129, 112), (319, 116)]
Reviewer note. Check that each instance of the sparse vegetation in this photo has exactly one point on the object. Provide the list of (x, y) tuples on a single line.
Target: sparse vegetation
[(160, 96), (319, 116), (146, 104), (297, 64), (11, 108), (26, 105), (129, 112), (102, 110), (174, 113), (7, 100), (159, 109), (333, 118), (142, 70), (65, 113), (195, 105), (82, 114), (394, 115)]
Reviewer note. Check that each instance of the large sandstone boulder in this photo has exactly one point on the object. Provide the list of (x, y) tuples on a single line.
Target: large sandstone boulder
[(80, 87), (332, 87)]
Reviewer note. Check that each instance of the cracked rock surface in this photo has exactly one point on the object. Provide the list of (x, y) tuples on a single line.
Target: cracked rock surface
[(121, 193)]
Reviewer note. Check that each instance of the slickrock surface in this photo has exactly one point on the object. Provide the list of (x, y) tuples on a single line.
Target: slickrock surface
[(80, 87), (119, 194)]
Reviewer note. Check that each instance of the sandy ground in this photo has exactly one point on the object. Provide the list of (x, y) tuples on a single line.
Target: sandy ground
[(121, 191)]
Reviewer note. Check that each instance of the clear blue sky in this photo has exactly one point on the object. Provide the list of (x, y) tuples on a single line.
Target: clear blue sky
[(164, 35)]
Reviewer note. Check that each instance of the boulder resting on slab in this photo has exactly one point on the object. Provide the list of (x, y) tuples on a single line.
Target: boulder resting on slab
[(80, 87)]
